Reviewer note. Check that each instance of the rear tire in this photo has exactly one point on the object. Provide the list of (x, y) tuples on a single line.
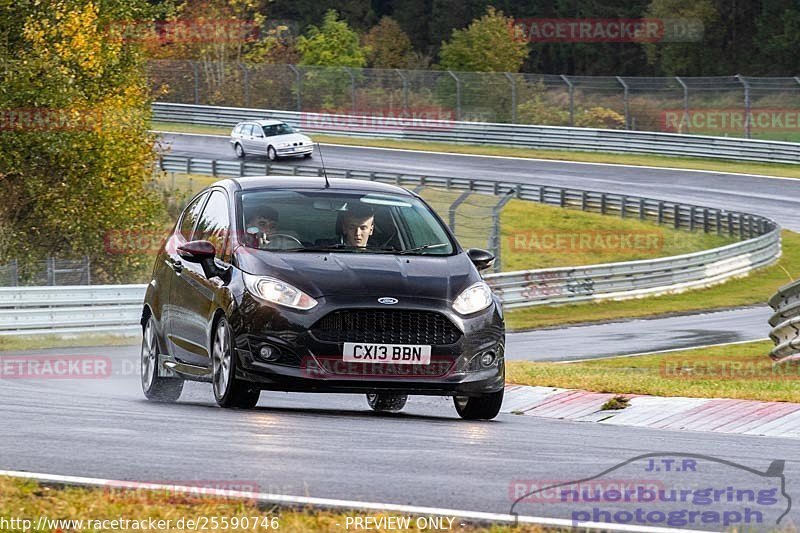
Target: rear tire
[(229, 391), (155, 387), (387, 403), (480, 407), (239, 150)]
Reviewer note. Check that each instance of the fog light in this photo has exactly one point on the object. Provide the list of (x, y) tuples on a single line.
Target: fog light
[(268, 353), (487, 359)]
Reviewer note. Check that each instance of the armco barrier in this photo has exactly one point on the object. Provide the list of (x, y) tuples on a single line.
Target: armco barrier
[(785, 322), (548, 137)]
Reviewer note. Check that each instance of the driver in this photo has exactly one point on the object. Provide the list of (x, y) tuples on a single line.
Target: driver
[(261, 224), (358, 224)]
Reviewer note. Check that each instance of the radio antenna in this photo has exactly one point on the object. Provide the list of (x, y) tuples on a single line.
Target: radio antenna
[(324, 172)]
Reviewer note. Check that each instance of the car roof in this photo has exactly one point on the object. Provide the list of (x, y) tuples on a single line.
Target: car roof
[(313, 182), (263, 122)]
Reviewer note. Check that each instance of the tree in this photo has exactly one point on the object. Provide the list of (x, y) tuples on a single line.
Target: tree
[(333, 44), (488, 44), (683, 58), (76, 157), (388, 45)]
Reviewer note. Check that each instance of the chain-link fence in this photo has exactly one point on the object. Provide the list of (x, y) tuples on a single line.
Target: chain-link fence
[(767, 108), (52, 271)]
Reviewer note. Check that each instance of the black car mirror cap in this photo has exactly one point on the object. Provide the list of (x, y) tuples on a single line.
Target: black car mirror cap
[(482, 259), (197, 251)]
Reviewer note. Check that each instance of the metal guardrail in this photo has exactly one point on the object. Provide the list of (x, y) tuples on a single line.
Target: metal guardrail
[(785, 323), (548, 137), (70, 309)]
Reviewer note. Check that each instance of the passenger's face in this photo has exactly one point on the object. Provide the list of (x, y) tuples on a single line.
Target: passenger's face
[(357, 231)]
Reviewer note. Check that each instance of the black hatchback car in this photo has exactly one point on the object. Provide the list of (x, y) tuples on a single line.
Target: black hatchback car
[(299, 284)]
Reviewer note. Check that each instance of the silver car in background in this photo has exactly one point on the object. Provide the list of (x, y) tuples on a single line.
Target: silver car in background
[(269, 137)]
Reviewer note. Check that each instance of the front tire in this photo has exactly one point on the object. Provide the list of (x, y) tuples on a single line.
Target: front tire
[(155, 387), (239, 150), (229, 391), (480, 407), (387, 403), (272, 155), (307, 156)]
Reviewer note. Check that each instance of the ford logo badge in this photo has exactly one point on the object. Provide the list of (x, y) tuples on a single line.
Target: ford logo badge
[(387, 301)]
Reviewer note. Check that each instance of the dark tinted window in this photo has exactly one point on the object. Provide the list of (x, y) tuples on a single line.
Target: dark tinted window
[(214, 223), (190, 215)]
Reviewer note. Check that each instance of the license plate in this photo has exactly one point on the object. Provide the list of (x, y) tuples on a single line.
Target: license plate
[(399, 354)]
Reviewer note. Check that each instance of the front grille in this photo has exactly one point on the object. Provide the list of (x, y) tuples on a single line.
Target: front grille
[(386, 326)]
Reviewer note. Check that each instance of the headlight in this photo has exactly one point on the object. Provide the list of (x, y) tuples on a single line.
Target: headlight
[(284, 145), (278, 292), (473, 299)]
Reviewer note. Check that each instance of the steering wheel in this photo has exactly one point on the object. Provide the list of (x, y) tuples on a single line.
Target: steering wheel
[(282, 241)]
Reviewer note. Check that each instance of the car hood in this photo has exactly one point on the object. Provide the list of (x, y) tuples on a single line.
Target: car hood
[(289, 138), (398, 276)]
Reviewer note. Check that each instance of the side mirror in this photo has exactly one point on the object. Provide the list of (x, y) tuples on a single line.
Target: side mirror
[(202, 252), (482, 259)]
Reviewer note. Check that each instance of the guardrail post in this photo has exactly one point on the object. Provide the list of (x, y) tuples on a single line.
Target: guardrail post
[(562, 198), (246, 84), (602, 203), (405, 89), (299, 85), (513, 82), (196, 70), (718, 222), (352, 88), (51, 270), (13, 272), (677, 216), (458, 94), (642, 214), (541, 194), (571, 92), (691, 218), (660, 212), (214, 167), (188, 165), (495, 244), (730, 224), (705, 220), (747, 125), (622, 206), (583, 200), (625, 102), (685, 104), (88, 266), (453, 207)]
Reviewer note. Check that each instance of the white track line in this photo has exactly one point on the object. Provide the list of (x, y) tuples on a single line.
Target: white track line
[(339, 505), (517, 158)]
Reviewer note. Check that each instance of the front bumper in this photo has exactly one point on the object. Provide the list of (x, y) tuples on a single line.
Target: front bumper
[(302, 362), (294, 150)]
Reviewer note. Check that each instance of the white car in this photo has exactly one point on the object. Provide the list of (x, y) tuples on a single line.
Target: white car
[(269, 137)]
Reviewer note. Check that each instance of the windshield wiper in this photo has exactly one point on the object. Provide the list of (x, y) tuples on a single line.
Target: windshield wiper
[(424, 247)]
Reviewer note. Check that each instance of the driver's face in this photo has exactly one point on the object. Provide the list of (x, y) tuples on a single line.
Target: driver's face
[(264, 224), (357, 231)]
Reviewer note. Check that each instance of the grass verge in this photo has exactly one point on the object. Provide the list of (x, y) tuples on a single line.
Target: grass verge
[(742, 371), (715, 165), (41, 342), (27, 499), (754, 289)]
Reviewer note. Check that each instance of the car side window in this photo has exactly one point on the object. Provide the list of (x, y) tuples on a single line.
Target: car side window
[(214, 224), (190, 215), (248, 129)]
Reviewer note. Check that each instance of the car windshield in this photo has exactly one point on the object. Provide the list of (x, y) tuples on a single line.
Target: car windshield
[(277, 129), (308, 221)]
